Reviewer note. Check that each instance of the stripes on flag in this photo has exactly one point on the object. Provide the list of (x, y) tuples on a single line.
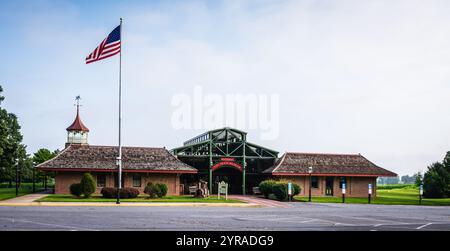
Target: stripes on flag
[(109, 47)]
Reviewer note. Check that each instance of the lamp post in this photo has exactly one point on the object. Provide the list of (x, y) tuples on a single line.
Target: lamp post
[(420, 193), (17, 177), (310, 170), (34, 177), (343, 192)]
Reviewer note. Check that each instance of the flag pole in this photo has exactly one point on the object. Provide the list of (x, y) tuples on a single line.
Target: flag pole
[(119, 159)]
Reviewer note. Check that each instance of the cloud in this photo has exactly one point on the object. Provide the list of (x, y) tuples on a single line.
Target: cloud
[(352, 76)]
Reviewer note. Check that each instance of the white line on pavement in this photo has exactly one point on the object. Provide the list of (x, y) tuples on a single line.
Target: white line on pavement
[(424, 225), (47, 224)]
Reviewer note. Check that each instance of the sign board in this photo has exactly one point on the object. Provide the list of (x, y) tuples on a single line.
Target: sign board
[(289, 188), (343, 188), (227, 163), (222, 189), (227, 159), (370, 188), (421, 189)]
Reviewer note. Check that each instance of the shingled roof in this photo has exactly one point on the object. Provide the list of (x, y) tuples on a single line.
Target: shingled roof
[(77, 124), (103, 158), (326, 164)]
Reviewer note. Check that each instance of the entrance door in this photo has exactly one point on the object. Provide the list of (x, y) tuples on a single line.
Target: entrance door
[(329, 186), (231, 176)]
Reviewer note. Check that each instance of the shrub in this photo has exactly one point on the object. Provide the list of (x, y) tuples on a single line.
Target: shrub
[(75, 189), (266, 187), (152, 190), (280, 190), (436, 181), (162, 189), (109, 192), (125, 193), (87, 185), (129, 192), (296, 189)]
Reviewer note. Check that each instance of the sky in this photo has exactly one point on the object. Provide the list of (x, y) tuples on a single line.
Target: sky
[(369, 77)]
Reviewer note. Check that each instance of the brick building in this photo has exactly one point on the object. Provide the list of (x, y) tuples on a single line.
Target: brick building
[(140, 164), (217, 155), (328, 173)]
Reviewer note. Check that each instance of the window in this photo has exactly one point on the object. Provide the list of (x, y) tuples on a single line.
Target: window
[(315, 182), (342, 181), (136, 180), (101, 180)]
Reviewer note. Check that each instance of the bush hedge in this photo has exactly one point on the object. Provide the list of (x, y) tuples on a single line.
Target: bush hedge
[(156, 190), (266, 187), (129, 193), (125, 192), (152, 190), (162, 189), (75, 189), (279, 188), (87, 185), (109, 192)]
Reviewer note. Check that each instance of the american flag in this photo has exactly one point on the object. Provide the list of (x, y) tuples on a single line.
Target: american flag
[(110, 46)]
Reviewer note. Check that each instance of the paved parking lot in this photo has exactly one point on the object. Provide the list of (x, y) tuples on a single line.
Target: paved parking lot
[(298, 216)]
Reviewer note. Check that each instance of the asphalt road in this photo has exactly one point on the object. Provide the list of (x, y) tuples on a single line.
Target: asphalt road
[(300, 216)]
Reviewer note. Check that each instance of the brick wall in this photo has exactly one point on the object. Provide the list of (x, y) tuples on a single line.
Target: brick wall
[(63, 180), (356, 186)]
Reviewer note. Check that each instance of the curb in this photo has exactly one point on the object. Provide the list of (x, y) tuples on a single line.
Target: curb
[(131, 204)]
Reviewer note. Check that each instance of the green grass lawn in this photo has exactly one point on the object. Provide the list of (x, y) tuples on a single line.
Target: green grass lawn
[(406, 195), (141, 198), (26, 188)]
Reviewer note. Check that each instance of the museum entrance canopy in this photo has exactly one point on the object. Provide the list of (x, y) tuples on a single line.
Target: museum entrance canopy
[(226, 155)]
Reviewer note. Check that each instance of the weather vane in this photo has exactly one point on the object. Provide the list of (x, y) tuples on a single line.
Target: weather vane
[(78, 98)]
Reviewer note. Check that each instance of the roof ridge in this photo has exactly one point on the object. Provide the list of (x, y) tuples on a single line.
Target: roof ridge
[(281, 161), (315, 153), (145, 147)]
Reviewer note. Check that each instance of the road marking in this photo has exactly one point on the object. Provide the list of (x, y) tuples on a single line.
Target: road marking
[(48, 224), (424, 225), (372, 219)]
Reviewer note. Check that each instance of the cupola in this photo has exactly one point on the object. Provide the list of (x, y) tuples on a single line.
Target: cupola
[(77, 132)]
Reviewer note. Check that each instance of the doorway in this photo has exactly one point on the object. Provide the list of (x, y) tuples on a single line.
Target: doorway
[(329, 186), (231, 176)]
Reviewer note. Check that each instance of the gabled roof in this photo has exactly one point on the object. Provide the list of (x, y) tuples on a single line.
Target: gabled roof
[(103, 158), (326, 164), (77, 124)]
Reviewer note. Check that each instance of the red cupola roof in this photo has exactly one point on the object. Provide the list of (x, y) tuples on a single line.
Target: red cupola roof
[(77, 125)]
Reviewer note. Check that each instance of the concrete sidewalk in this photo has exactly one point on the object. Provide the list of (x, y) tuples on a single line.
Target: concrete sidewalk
[(130, 204), (30, 200)]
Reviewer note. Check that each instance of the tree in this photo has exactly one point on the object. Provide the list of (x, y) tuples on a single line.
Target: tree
[(446, 162), (1, 97), (436, 181), (418, 179), (388, 180), (41, 156), (406, 179), (87, 185), (12, 151)]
